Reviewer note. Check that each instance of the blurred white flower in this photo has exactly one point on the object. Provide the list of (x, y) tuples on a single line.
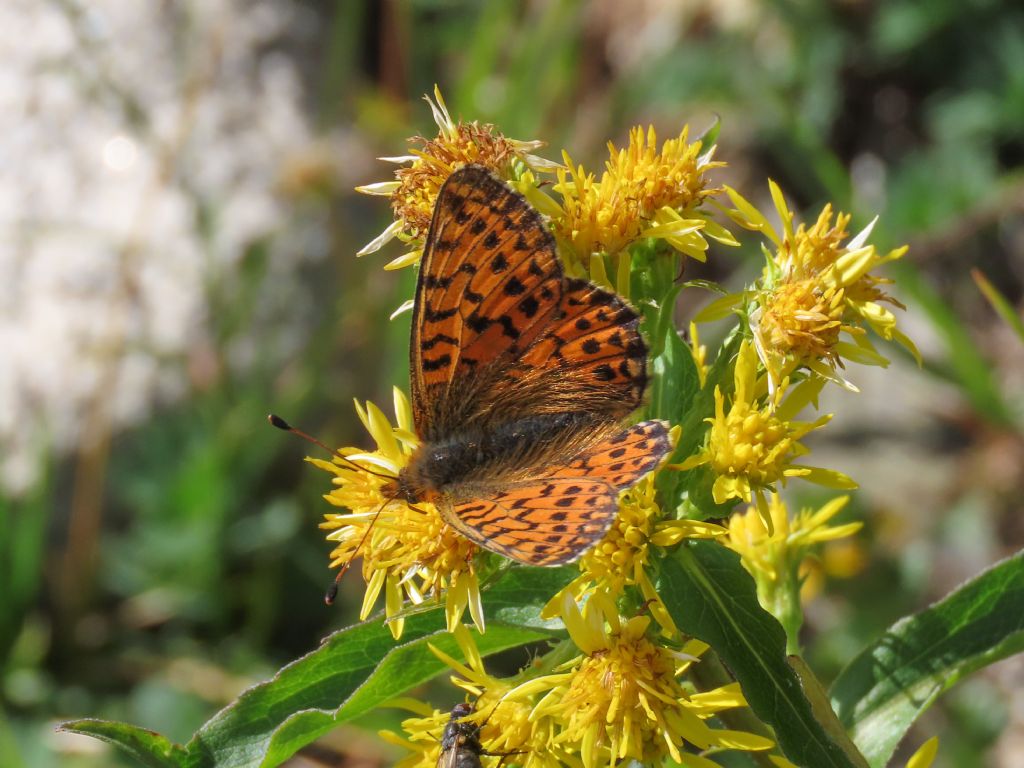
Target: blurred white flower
[(142, 147)]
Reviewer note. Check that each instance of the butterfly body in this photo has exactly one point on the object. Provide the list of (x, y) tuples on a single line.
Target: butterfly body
[(520, 379), (505, 451)]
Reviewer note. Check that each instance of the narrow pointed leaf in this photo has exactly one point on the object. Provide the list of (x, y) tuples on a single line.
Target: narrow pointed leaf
[(353, 671), (886, 688), (148, 747), (343, 679), (711, 597), (999, 303)]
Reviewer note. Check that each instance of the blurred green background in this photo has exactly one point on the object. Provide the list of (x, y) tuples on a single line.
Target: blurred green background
[(177, 251)]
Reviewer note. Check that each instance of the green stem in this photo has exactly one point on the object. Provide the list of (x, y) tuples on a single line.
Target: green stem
[(785, 605)]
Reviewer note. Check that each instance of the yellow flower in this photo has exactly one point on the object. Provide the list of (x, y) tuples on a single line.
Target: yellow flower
[(700, 355), (501, 709), (778, 558), (673, 177), (781, 551), (595, 217), (408, 551), (621, 559), (752, 445), (816, 297), (642, 193), (799, 322), (623, 699), (416, 186)]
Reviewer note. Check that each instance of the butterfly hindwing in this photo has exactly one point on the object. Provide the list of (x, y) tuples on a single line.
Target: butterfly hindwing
[(554, 518), (489, 283), (543, 521), (622, 459)]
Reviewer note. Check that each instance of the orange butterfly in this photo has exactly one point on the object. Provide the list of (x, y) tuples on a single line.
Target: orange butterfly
[(520, 377)]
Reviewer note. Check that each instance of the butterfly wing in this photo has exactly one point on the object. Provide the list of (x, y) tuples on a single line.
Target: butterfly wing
[(488, 286), (502, 344), (497, 330), (591, 358), (555, 517), (622, 459)]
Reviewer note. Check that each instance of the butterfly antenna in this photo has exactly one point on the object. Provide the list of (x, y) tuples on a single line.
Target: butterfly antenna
[(283, 425), (332, 591)]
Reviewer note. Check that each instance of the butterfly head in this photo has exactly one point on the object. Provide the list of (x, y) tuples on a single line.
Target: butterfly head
[(395, 490), (409, 486), (430, 470)]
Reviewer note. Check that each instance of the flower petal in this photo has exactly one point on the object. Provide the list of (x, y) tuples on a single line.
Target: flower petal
[(380, 240)]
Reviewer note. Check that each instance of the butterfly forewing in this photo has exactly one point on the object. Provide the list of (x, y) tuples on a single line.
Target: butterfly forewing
[(489, 283)]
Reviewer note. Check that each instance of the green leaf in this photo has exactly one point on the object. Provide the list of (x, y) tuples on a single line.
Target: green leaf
[(23, 527), (345, 678), (701, 505), (353, 671), (709, 135), (148, 747), (968, 368), (674, 380), (698, 407), (711, 597), (516, 600), (675, 392), (885, 688), (999, 303)]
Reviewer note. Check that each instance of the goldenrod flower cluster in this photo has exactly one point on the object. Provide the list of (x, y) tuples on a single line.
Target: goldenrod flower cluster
[(754, 438), (424, 170), (778, 556), (642, 193), (621, 697), (408, 551), (817, 297), (616, 688)]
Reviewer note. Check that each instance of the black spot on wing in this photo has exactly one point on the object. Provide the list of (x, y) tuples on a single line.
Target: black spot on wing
[(436, 363)]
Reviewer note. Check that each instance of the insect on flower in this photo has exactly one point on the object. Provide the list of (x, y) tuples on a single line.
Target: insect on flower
[(460, 741), (520, 379)]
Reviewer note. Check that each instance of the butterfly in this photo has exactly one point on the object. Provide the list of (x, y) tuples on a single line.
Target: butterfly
[(520, 377)]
